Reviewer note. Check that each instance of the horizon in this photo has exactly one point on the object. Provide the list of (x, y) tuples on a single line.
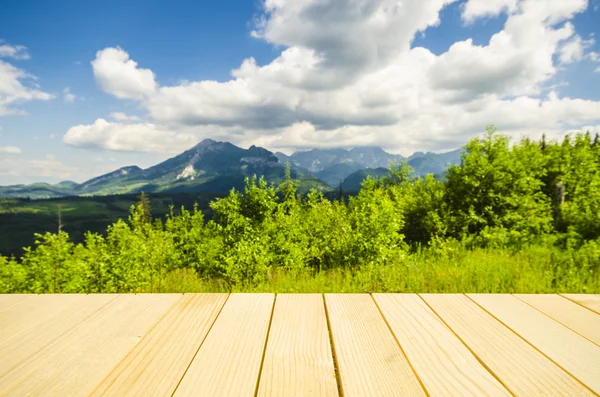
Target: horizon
[(245, 148), (86, 89)]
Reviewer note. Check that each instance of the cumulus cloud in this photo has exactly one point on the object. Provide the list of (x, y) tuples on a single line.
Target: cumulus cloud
[(347, 76), (475, 9), (142, 137), (573, 50), (15, 88), (118, 75), (17, 52), (10, 150), (120, 116), (340, 39)]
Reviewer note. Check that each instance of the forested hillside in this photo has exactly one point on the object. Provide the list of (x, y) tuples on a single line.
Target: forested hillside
[(520, 217)]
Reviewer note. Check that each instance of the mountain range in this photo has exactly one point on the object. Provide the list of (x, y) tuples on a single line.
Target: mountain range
[(217, 167)]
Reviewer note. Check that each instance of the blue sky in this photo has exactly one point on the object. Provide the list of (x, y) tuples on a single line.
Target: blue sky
[(148, 79)]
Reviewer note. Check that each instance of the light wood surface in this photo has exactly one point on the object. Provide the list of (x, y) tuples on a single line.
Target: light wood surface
[(73, 364), (228, 362), (444, 364), (520, 367), (7, 301), (299, 345), (590, 301), (576, 355), (157, 364), (370, 362), (28, 328), (298, 359), (585, 322)]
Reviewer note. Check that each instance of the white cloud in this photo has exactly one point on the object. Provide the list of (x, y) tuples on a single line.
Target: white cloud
[(120, 116), (17, 52), (36, 169), (573, 50), (10, 150), (68, 96), (118, 75), (592, 129), (339, 39), (143, 137), (594, 57), (14, 89), (346, 76), (475, 9)]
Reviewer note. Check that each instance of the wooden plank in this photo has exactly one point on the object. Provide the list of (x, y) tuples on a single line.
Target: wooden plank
[(590, 301), (75, 363), (156, 365), (370, 362), (581, 320), (446, 367), (298, 359), (228, 362), (35, 323), (36, 310), (520, 367), (577, 355), (9, 300)]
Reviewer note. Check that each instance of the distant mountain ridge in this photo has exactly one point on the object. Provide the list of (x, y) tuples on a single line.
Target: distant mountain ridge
[(217, 167), (318, 160), (335, 165), (210, 166)]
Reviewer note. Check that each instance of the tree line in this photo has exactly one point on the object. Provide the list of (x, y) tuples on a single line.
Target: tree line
[(510, 196)]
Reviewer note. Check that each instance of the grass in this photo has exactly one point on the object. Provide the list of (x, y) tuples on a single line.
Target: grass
[(533, 270)]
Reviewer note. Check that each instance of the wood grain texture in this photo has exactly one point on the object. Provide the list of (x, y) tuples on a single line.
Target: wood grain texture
[(590, 301), (520, 367), (581, 320), (29, 327), (228, 362), (370, 362), (9, 300), (298, 359), (446, 367), (156, 365), (75, 363), (578, 356)]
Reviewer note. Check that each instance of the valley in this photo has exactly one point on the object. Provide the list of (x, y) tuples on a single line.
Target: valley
[(201, 174)]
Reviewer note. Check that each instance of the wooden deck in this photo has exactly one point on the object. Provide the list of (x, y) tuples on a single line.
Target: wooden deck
[(299, 345)]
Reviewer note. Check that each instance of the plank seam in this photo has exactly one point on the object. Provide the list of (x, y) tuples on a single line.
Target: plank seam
[(554, 319), (400, 346), (131, 351), (580, 304), (532, 345), (264, 353), (200, 346), (468, 347), (336, 367)]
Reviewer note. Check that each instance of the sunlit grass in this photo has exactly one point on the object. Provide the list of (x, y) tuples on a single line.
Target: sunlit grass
[(532, 270)]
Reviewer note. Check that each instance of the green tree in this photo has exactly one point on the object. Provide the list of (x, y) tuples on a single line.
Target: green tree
[(496, 193)]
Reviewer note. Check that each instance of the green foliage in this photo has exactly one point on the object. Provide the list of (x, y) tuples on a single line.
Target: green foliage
[(497, 191), (13, 276), (494, 224)]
